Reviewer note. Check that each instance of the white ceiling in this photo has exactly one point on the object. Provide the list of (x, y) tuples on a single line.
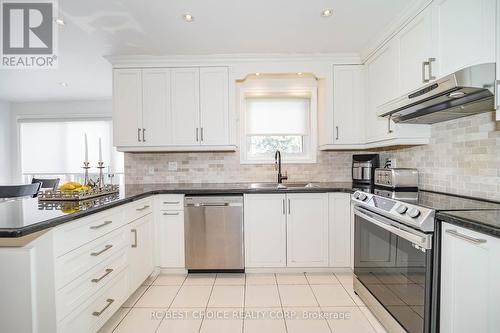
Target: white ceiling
[(155, 27)]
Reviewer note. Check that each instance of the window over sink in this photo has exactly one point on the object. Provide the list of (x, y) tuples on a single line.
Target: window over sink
[(278, 119)]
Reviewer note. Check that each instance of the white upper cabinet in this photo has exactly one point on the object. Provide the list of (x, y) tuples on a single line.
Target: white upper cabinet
[(186, 106), (169, 109), (214, 116), (464, 34), (307, 230), (415, 43), (348, 104), (469, 281), (156, 112), (127, 107)]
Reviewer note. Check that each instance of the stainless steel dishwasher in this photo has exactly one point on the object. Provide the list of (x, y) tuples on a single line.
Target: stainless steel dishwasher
[(214, 233)]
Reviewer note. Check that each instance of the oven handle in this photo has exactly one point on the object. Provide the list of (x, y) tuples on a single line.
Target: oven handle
[(422, 241)]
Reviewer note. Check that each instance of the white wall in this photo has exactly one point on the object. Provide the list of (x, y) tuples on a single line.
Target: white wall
[(62, 109), (5, 143)]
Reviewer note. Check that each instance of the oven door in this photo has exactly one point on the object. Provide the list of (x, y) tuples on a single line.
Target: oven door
[(394, 264)]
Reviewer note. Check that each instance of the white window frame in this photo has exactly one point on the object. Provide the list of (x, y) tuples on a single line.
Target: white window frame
[(310, 142)]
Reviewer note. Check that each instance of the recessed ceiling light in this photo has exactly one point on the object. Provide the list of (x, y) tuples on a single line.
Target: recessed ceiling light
[(257, 74), (188, 17), (63, 84), (299, 73), (60, 22), (327, 12)]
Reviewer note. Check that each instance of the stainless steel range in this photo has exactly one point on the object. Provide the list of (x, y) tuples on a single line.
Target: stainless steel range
[(395, 254)]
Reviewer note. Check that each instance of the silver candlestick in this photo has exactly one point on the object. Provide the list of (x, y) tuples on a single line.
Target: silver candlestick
[(86, 167), (101, 175)]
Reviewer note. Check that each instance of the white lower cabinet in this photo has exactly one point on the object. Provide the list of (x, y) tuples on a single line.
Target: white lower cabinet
[(295, 230), (469, 281), (265, 230), (307, 230), (141, 251), (169, 232), (339, 223)]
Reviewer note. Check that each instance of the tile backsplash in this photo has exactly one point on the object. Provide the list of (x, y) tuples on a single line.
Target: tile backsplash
[(463, 157)]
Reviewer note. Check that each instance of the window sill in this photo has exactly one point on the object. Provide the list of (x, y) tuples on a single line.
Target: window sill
[(283, 161)]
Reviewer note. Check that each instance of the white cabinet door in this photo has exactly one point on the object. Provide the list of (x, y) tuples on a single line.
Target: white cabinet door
[(170, 239), (415, 43), (307, 230), (339, 222), (382, 86), (141, 251), (469, 281), (348, 104), (464, 32), (156, 114), (265, 230), (214, 125), (185, 106), (127, 107)]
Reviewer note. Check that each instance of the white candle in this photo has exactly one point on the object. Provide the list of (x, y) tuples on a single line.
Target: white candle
[(100, 150), (86, 149)]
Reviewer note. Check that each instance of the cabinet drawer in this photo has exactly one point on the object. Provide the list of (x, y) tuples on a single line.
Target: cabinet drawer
[(171, 202), (138, 209), (72, 265), (92, 315), (80, 289), (73, 235)]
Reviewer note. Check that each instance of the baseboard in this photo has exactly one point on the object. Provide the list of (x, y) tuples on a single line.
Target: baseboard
[(298, 270)]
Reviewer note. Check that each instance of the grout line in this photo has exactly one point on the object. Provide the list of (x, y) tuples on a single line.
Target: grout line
[(281, 302), (208, 302), (171, 302), (319, 306), (118, 324)]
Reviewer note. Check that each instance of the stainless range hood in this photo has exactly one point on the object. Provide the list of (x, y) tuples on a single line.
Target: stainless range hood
[(463, 93)]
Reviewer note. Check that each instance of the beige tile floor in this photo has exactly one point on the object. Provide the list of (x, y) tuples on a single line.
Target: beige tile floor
[(237, 303)]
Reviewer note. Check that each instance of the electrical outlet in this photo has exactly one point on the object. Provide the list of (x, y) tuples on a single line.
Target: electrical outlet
[(151, 170), (172, 166)]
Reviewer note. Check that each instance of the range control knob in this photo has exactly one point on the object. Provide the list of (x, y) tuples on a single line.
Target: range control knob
[(356, 195), (363, 197), (402, 209), (414, 213)]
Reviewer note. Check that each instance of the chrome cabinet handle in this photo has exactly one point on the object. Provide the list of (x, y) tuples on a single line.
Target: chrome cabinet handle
[(171, 202), (289, 206), (95, 227), (197, 134), (469, 239), (429, 62), (135, 238), (424, 64), (171, 214), (201, 133), (143, 135), (108, 271), (139, 134), (389, 130), (337, 129), (284, 209), (107, 247), (142, 208), (98, 313)]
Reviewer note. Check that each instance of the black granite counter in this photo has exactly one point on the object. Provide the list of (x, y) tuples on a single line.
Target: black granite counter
[(485, 221), (22, 217)]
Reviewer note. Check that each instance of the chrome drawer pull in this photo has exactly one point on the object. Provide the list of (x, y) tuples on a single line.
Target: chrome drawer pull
[(171, 202), (135, 238), (107, 247), (470, 239), (177, 213), (95, 227), (108, 271), (98, 313), (141, 209)]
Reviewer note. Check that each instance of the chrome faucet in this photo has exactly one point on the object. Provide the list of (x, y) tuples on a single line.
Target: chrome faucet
[(277, 167)]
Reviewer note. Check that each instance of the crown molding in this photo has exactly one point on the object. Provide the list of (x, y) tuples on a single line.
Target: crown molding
[(415, 8), (131, 61)]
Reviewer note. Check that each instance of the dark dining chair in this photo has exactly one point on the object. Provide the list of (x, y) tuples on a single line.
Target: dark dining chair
[(51, 184), (15, 191)]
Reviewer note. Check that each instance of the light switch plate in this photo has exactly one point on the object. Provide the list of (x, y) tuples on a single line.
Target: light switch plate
[(172, 166)]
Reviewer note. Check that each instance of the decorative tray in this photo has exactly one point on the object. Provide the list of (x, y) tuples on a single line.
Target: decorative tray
[(57, 195), (69, 207)]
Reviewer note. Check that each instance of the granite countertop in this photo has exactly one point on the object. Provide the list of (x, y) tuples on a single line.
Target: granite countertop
[(485, 221), (21, 217)]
